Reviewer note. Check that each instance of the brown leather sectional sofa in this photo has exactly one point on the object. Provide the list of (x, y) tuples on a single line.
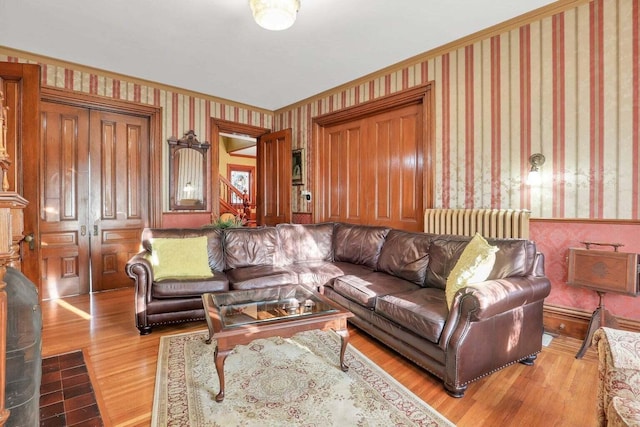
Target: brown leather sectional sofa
[(392, 280)]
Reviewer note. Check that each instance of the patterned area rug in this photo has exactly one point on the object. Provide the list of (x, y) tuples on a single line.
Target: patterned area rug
[(276, 382)]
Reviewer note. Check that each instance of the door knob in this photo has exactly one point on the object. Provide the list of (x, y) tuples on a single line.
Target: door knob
[(83, 230), (31, 240)]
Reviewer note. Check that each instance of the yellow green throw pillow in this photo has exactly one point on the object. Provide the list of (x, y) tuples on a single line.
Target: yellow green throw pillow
[(473, 266), (180, 258)]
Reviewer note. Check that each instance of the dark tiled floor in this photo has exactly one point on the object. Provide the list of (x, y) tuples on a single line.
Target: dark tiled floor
[(66, 393)]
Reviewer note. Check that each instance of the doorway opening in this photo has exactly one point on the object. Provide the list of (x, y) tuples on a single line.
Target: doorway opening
[(237, 176)]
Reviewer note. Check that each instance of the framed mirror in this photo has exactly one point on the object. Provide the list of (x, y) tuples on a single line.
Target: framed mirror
[(188, 167)]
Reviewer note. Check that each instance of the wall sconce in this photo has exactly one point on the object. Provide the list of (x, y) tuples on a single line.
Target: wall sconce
[(536, 161), (275, 15), (188, 189)]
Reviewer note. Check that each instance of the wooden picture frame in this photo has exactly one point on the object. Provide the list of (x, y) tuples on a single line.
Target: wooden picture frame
[(297, 167)]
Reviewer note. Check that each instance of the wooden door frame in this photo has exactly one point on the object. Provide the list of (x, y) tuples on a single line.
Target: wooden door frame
[(152, 113), (422, 94), (28, 144), (225, 126)]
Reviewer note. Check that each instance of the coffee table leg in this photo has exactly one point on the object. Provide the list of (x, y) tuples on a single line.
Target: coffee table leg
[(220, 357), (205, 304), (344, 340)]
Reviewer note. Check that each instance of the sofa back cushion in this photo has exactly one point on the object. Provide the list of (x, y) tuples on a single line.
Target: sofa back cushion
[(515, 257), (406, 255), (214, 241), (305, 242), (246, 247), (358, 244)]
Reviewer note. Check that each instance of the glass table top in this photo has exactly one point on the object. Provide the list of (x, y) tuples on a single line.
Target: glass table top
[(237, 308)]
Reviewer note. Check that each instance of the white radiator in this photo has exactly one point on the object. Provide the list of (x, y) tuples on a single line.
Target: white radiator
[(498, 223)]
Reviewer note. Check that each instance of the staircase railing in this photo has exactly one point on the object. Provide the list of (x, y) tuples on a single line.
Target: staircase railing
[(228, 203)]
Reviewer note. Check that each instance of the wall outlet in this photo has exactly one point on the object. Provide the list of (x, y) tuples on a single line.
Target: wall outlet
[(306, 195)]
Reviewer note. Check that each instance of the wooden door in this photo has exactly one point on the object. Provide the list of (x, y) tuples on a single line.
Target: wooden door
[(94, 191), (371, 169), (273, 166), (394, 169), (118, 197), (342, 182), (21, 87), (64, 192)]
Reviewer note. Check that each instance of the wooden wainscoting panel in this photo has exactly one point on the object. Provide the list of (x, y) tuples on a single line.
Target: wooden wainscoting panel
[(574, 322)]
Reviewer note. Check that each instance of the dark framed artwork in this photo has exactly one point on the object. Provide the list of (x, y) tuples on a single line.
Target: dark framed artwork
[(297, 167)]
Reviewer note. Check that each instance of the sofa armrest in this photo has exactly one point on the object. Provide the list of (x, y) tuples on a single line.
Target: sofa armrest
[(139, 266), (488, 299), (139, 269)]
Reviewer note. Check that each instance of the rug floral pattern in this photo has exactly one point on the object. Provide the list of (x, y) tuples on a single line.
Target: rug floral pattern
[(276, 382)]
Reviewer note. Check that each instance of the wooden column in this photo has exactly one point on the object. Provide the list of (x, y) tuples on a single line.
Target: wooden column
[(5, 233), (11, 233)]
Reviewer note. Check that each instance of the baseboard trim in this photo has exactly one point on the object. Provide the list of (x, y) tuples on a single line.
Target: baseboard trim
[(574, 322)]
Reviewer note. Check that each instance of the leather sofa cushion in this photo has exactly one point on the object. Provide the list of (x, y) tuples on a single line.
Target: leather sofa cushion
[(315, 273), (172, 288), (305, 242), (443, 255), (246, 247), (515, 257), (366, 289), (347, 268), (358, 244), (423, 311), (260, 276), (214, 241), (406, 255)]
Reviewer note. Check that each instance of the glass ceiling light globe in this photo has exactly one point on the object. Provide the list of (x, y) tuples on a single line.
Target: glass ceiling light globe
[(275, 15)]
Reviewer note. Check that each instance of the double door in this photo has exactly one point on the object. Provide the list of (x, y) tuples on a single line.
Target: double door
[(371, 170), (94, 197)]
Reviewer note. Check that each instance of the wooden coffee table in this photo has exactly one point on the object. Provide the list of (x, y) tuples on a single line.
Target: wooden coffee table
[(239, 317)]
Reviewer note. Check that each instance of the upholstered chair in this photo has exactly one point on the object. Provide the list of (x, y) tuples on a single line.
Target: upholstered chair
[(619, 374)]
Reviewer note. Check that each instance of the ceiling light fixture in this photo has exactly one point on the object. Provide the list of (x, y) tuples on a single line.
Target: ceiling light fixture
[(275, 15)]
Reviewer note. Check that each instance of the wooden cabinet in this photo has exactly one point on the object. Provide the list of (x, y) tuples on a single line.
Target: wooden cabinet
[(602, 272)]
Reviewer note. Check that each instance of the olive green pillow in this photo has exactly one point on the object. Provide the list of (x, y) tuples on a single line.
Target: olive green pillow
[(473, 266), (180, 258)]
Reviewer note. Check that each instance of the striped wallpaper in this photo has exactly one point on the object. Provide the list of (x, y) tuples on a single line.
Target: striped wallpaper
[(181, 110), (566, 86)]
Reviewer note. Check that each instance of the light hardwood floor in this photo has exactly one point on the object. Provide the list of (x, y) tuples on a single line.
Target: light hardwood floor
[(558, 390)]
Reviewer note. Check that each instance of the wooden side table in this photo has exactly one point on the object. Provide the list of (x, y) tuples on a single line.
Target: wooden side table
[(602, 272)]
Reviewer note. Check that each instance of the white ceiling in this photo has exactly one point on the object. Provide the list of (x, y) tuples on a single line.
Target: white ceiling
[(214, 46)]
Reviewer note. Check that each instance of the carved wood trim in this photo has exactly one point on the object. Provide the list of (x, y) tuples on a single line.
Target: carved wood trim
[(414, 95)]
